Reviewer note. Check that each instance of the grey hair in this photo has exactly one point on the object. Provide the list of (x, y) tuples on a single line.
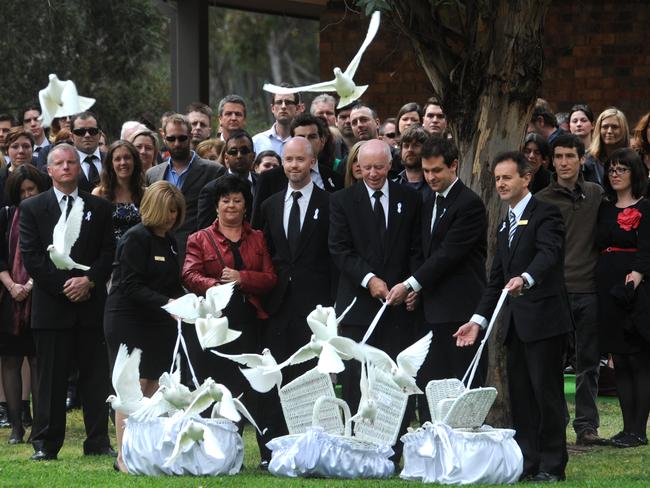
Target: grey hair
[(322, 98), (231, 99), (62, 147), (385, 147)]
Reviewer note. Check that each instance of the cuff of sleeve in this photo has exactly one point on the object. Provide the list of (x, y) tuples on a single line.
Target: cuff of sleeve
[(414, 284), (366, 279), (480, 320), (529, 279)]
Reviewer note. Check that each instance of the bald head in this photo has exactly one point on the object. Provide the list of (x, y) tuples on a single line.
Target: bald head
[(375, 162), (299, 144), (298, 161)]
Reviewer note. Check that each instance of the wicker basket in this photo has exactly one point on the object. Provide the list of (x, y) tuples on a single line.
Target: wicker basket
[(391, 404), (298, 399), (469, 410), (441, 394)]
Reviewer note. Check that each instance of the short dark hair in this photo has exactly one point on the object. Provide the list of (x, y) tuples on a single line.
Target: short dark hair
[(264, 154), (228, 184), (523, 167), (16, 178), (360, 105), (582, 107), (240, 134), (199, 107), (544, 113), (638, 172), (296, 96), (5, 116), (541, 142), (431, 101), (409, 107), (569, 141), (436, 146), (84, 116), (31, 106), (305, 119), (349, 106), (15, 133)]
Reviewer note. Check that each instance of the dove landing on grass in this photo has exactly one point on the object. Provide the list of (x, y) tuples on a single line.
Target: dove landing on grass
[(66, 233), (343, 82)]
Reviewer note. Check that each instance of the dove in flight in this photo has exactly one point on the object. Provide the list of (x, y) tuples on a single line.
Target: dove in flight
[(367, 411), (191, 434), (190, 307), (343, 82), (262, 372), (213, 332), (60, 98), (66, 232), (126, 382)]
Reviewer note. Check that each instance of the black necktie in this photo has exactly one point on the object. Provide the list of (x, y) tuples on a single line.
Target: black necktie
[(93, 174), (440, 208), (293, 230), (380, 216), (70, 200)]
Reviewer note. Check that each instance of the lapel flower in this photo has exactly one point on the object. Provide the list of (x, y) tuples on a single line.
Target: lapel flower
[(629, 219)]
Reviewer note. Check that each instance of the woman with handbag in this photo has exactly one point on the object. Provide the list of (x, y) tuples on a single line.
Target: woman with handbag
[(623, 238)]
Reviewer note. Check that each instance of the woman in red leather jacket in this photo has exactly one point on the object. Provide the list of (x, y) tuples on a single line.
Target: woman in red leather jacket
[(230, 250)]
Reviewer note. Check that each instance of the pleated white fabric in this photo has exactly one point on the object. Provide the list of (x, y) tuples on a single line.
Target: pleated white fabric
[(146, 447), (317, 453), (436, 453)]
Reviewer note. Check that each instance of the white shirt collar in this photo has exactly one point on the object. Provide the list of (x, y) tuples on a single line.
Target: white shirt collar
[(384, 190), (59, 194), (521, 206), (250, 178), (83, 155), (305, 190), (448, 189)]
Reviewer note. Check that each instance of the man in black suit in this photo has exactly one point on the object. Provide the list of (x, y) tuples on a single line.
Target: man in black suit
[(296, 225), (85, 134), (529, 262), (187, 171), (275, 180), (452, 277), (67, 307), (374, 242), (238, 158)]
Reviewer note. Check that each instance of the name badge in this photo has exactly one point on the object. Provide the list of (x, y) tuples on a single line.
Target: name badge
[(522, 222), (159, 258)]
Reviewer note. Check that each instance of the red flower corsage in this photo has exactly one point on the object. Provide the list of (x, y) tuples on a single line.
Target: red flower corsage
[(629, 219)]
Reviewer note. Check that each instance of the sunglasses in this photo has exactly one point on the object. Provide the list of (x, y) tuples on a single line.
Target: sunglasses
[(82, 131), (390, 135), (181, 138), (241, 150), (619, 170)]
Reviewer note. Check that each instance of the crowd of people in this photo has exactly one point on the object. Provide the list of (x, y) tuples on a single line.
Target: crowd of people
[(327, 206)]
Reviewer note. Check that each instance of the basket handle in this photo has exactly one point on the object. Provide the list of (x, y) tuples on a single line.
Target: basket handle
[(339, 403)]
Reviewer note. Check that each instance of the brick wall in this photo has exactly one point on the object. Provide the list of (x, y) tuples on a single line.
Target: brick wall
[(597, 51)]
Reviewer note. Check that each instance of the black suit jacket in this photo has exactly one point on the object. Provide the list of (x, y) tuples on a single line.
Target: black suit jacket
[(453, 272), (82, 182), (353, 243), (200, 173), (207, 206), (537, 249), (95, 248), (310, 273), (274, 180)]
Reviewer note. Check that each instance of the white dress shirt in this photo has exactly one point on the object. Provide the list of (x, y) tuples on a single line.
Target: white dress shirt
[(63, 203), (303, 203), (384, 203), (97, 161)]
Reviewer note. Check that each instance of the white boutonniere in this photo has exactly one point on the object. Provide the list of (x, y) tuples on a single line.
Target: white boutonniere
[(399, 207), (503, 226), (330, 181), (88, 215), (316, 214)]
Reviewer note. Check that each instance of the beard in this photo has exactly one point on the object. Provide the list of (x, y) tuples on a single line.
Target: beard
[(413, 162), (180, 154)]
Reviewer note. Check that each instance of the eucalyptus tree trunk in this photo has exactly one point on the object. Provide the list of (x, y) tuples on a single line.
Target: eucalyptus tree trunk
[(484, 59)]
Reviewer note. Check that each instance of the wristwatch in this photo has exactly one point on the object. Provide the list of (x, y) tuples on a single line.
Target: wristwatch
[(526, 283), (407, 285)]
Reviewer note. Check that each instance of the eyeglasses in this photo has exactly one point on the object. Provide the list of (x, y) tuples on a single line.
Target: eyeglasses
[(288, 103), (82, 131), (241, 150), (619, 170), (181, 138)]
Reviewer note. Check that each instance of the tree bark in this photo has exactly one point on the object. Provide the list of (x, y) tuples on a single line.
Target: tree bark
[(484, 60)]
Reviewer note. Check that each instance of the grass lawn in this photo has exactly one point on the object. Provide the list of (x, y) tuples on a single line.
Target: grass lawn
[(598, 467)]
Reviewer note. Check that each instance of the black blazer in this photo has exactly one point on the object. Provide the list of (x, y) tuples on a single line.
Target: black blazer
[(537, 249), (200, 173), (82, 182), (310, 272), (355, 250), (453, 272), (207, 206), (274, 180), (95, 248)]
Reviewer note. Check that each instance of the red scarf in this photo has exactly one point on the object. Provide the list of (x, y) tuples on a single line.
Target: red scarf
[(19, 275)]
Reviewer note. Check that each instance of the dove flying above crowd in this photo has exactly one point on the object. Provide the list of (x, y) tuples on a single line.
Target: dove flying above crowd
[(343, 82)]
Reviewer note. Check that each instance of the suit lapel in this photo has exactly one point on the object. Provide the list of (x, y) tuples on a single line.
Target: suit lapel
[(314, 212), (366, 214), (448, 202), (427, 215), (193, 172), (396, 210), (277, 227), (521, 228)]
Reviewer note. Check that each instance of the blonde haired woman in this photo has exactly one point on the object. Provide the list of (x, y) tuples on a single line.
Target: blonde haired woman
[(611, 132)]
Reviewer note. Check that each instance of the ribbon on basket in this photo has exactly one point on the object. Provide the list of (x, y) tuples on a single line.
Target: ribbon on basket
[(374, 322), (471, 370), (180, 342)]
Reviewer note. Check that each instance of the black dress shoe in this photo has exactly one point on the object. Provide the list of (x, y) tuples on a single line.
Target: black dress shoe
[(16, 436), (627, 439), (543, 477), (104, 451), (43, 456), (4, 416)]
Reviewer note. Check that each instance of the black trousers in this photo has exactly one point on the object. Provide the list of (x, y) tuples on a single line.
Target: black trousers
[(55, 350), (539, 412), (446, 360)]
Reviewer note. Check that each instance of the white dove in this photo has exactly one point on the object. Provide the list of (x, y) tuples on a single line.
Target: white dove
[(262, 372), (170, 397), (343, 82), (126, 382), (367, 411), (190, 307), (66, 232), (60, 98), (403, 371), (190, 435), (213, 332)]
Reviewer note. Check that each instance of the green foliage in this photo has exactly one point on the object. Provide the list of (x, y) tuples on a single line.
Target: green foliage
[(114, 51)]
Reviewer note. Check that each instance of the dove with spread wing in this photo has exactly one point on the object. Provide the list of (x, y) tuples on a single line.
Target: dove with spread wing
[(343, 82), (126, 382), (66, 232), (262, 372), (190, 307), (193, 433)]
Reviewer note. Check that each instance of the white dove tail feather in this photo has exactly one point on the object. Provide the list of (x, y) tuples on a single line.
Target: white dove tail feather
[(329, 360), (349, 98), (73, 225), (373, 27), (259, 381)]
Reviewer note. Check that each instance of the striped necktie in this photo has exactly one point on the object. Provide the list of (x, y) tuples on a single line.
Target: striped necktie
[(513, 227)]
